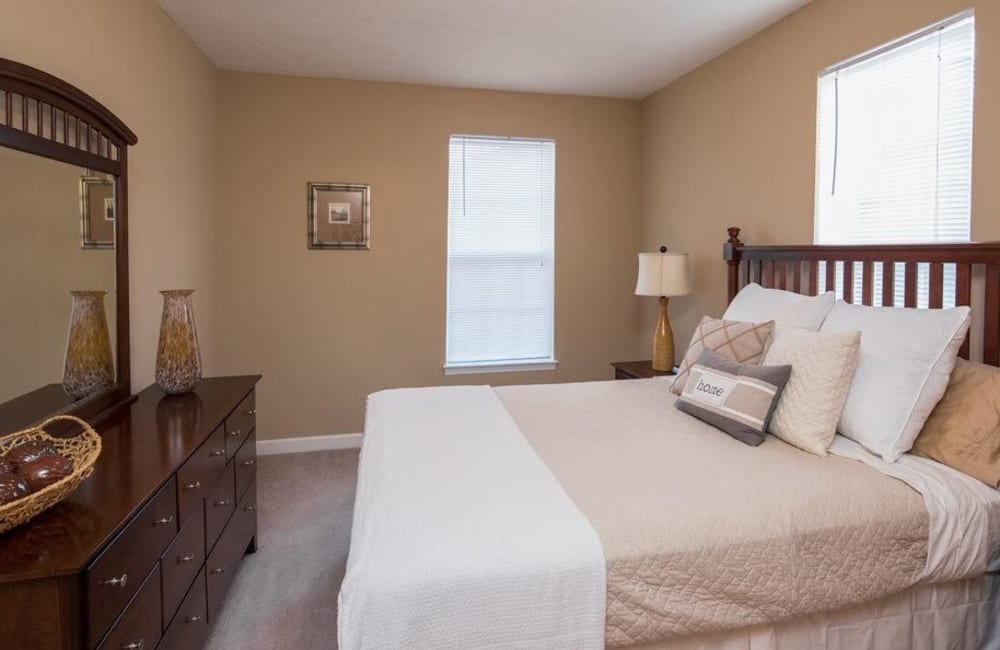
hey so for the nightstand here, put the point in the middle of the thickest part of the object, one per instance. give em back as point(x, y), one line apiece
point(638, 370)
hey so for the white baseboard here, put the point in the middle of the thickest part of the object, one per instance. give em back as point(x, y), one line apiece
point(308, 443)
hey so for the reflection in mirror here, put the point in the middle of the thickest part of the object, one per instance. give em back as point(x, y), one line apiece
point(57, 267)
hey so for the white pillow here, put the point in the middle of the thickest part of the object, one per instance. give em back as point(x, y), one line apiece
point(755, 304)
point(907, 356)
point(823, 366)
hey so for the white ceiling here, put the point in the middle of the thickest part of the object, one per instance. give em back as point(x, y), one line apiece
point(609, 48)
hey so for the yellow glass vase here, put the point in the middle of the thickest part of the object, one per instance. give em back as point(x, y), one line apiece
point(89, 367)
point(178, 360)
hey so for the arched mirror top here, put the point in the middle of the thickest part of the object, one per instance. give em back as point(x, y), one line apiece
point(44, 115)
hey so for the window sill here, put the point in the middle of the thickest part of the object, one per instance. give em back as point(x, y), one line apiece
point(500, 366)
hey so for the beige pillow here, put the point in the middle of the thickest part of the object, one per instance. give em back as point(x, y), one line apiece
point(963, 431)
point(823, 366)
point(735, 340)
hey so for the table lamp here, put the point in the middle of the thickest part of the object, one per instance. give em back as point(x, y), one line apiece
point(664, 275)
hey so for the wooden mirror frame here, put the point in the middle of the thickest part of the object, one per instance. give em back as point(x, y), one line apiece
point(43, 115)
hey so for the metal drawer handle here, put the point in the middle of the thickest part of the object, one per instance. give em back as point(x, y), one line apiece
point(252, 413)
point(183, 559)
point(249, 463)
point(116, 582)
point(250, 508)
point(192, 486)
point(235, 432)
point(135, 645)
point(192, 619)
point(218, 570)
point(221, 502)
point(163, 521)
point(217, 452)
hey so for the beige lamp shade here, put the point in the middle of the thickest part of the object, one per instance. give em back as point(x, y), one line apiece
point(663, 274)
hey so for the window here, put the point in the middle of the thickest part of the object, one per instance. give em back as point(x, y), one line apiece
point(894, 144)
point(501, 254)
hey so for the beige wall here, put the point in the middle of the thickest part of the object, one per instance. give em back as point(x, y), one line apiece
point(328, 327)
point(223, 211)
point(131, 57)
point(41, 261)
point(733, 143)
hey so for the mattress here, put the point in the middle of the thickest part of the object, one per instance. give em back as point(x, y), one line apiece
point(596, 514)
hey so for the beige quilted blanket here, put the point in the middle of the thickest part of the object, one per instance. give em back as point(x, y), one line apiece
point(703, 533)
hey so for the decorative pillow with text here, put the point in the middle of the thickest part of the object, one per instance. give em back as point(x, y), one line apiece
point(736, 398)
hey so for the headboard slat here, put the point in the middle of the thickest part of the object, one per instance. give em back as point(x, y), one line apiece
point(866, 282)
point(848, 273)
point(963, 297)
point(888, 284)
point(910, 285)
point(935, 297)
point(767, 275)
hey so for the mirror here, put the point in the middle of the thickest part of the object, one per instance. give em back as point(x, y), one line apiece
point(64, 327)
point(57, 267)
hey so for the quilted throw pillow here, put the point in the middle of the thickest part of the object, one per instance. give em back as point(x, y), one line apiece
point(734, 340)
point(736, 398)
point(823, 366)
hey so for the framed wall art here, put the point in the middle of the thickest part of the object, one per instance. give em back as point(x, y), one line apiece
point(97, 212)
point(339, 216)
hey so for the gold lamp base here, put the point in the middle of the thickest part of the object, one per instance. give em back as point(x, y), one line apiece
point(663, 341)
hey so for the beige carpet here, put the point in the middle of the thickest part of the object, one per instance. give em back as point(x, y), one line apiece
point(285, 595)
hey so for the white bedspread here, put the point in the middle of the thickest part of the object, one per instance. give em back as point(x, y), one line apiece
point(964, 536)
point(521, 568)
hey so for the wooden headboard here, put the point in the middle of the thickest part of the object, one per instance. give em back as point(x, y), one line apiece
point(811, 269)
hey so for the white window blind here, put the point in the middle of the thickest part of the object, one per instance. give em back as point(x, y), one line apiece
point(501, 253)
point(894, 144)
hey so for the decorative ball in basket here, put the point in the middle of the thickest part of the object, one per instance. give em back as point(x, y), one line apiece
point(38, 470)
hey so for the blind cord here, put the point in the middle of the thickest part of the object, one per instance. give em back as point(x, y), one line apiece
point(937, 148)
point(836, 131)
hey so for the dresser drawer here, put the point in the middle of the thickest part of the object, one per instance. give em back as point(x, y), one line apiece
point(225, 557)
point(246, 513)
point(189, 629)
point(246, 464)
point(239, 424)
point(117, 572)
point(199, 472)
point(180, 563)
point(220, 501)
point(139, 626)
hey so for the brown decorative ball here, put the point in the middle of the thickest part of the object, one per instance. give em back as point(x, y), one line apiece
point(5, 467)
point(28, 451)
point(45, 470)
point(12, 488)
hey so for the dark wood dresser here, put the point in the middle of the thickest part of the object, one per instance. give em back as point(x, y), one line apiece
point(142, 554)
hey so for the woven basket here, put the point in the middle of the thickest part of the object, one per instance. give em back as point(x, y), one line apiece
point(82, 450)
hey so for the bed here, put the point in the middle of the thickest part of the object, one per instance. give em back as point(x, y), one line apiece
point(597, 515)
